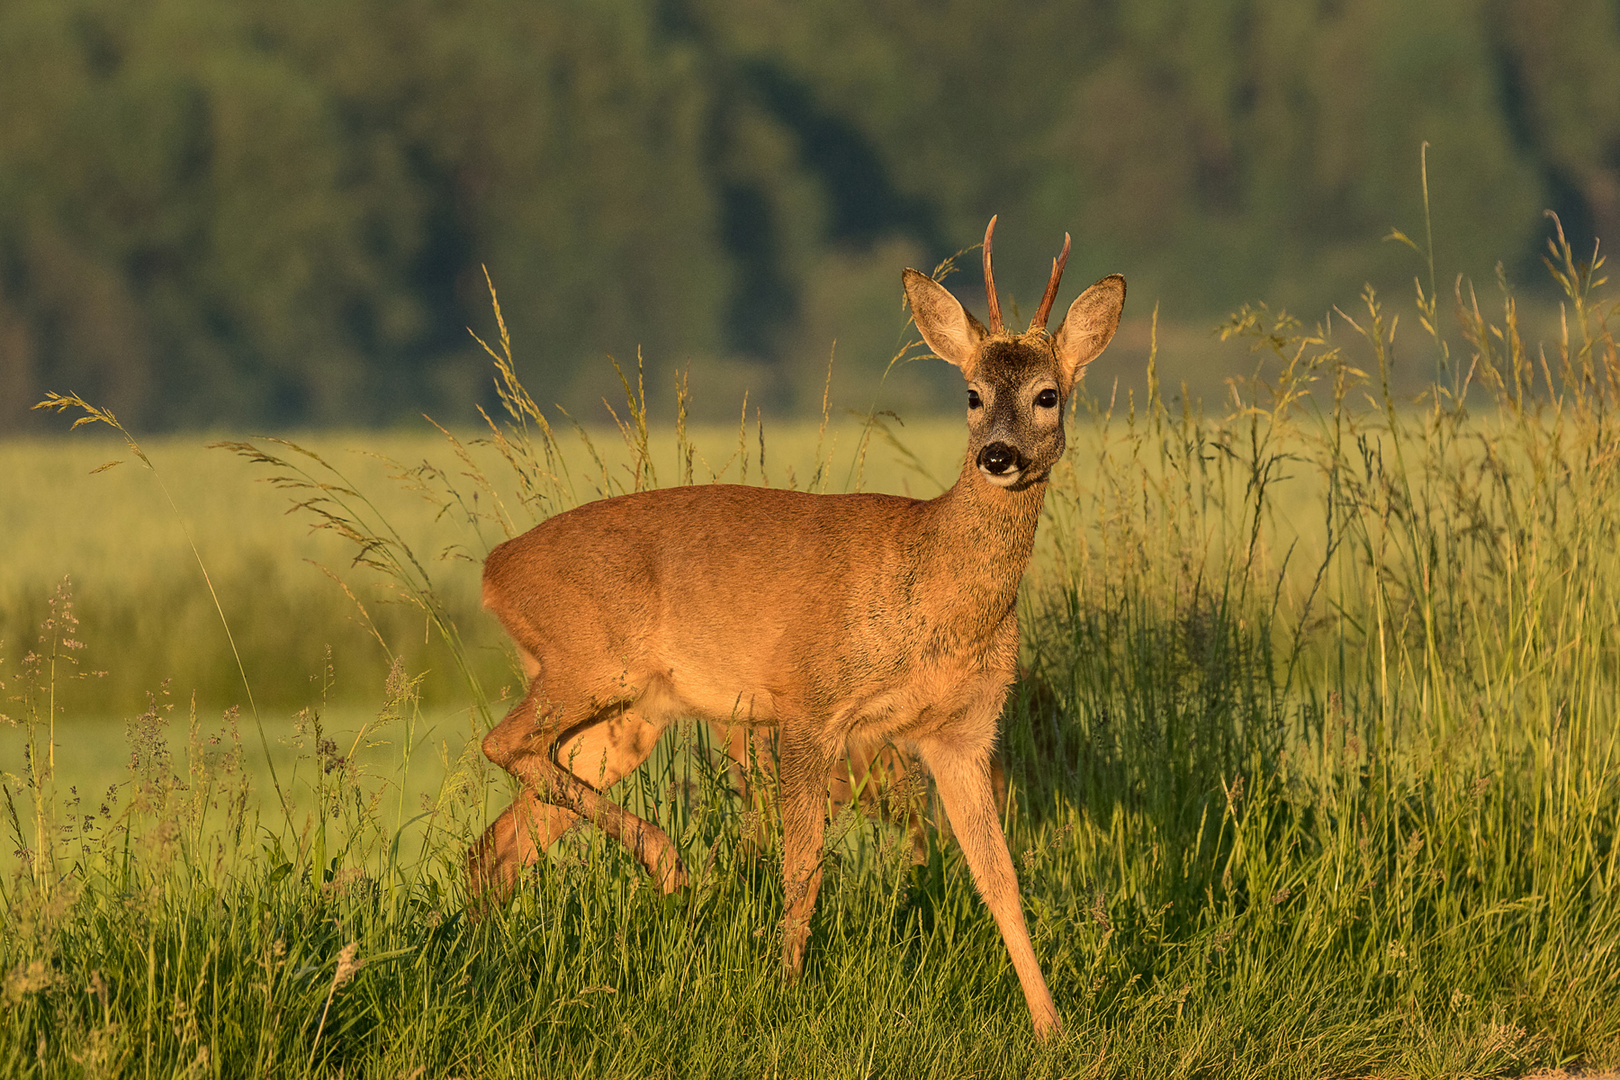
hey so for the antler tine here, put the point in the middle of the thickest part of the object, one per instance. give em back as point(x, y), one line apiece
point(990, 281)
point(1039, 321)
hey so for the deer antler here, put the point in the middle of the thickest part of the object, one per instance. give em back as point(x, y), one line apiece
point(990, 281)
point(1039, 321)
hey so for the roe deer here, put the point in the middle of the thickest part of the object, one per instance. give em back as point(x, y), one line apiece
point(827, 617)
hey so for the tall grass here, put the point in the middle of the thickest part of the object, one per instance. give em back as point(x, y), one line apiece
point(1313, 773)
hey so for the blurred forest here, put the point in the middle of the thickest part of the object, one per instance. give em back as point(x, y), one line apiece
point(230, 212)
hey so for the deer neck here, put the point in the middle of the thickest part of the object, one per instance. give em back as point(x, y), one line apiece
point(978, 544)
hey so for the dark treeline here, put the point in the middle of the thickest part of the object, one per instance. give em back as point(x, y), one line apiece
point(244, 211)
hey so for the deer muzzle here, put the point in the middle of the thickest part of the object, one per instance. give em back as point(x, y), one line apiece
point(1001, 463)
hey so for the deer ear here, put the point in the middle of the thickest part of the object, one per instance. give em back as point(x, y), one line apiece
point(1089, 327)
point(944, 323)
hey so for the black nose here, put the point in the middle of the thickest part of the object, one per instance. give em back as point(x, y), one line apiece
point(997, 458)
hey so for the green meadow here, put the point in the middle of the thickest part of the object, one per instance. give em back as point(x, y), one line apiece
point(1313, 762)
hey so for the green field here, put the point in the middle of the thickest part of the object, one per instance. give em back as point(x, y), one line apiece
point(1313, 764)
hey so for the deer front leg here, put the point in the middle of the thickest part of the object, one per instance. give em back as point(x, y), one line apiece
point(805, 766)
point(963, 777)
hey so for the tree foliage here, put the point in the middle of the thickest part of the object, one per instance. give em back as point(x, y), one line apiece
point(232, 211)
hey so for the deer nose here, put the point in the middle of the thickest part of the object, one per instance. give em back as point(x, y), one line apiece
point(997, 458)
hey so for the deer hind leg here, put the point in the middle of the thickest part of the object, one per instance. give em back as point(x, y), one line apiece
point(513, 842)
point(562, 785)
point(963, 776)
point(805, 767)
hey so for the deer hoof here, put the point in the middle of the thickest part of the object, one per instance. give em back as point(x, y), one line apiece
point(795, 936)
point(1047, 1025)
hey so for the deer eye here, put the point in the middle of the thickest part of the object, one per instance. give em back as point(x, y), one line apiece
point(973, 400)
point(1047, 398)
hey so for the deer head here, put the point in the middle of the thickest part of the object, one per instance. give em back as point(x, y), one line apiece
point(1018, 383)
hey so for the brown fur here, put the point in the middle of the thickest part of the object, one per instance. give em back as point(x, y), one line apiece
point(837, 620)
